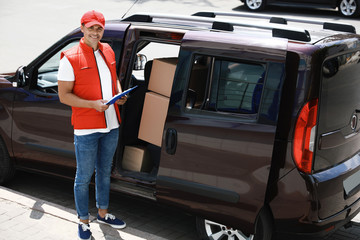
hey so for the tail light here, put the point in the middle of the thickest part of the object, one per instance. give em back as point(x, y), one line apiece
point(304, 137)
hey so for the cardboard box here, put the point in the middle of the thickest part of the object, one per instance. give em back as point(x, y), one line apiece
point(162, 75)
point(153, 118)
point(136, 158)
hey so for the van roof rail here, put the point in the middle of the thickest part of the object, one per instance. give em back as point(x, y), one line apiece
point(278, 20)
point(282, 31)
point(222, 26)
point(138, 18)
point(205, 14)
point(326, 25)
point(339, 27)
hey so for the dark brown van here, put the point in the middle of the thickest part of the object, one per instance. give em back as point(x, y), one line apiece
point(251, 127)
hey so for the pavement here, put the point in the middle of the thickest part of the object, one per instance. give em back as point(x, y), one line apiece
point(26, 217)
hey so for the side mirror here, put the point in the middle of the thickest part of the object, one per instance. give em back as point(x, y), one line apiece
point(20, 77)
point(140, 61)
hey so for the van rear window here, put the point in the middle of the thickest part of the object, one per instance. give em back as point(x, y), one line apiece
point(340, 94)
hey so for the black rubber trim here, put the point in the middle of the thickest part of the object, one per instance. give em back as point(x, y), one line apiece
point(205, 14)
point(223, 26)
point(339, 27)
point(138, 18)
point(278, 20)
point(198, 189)
point(51, 150)
point(292, 35)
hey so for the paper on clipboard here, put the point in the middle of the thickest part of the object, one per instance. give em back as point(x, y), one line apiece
point(118, 96)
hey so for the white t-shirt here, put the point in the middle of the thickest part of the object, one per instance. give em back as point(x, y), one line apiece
point(66, 73)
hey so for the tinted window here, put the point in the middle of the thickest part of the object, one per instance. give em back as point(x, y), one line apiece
point(53, 63)
point(237, 87)
point(270, 99)
point(47, 73)
point(340, 91)
point(225, 86)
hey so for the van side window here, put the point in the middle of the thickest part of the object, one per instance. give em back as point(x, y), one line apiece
point(198, 82)
point(47, 72)
point(225, 86)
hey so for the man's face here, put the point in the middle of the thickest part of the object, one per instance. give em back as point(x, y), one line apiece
point(92, 35)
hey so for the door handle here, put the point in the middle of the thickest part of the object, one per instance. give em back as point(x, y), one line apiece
point(171, 141)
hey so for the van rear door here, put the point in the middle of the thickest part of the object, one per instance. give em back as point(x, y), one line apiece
point(220, 128)
point(337, 159)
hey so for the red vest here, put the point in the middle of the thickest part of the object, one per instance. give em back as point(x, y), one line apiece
point(87, 83)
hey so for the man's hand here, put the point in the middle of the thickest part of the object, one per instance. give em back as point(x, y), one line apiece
point(121, 101)
point(100, 105)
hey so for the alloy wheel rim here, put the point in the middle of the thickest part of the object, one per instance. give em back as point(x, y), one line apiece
point(217, 231)
point(348, 7)
point(254, 4)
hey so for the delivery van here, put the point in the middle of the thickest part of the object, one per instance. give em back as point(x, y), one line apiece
point(251, 126)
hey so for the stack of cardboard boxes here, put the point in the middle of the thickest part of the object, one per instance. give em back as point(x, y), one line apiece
point(154, 114)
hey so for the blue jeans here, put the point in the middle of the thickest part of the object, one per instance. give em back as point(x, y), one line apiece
point(94, 152)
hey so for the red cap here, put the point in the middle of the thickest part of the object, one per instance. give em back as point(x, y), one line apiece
point(92, 18)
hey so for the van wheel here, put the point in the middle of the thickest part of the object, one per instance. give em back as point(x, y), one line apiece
point(209, 230)
point(255, 5)
point(349, 8)
point(7, 168)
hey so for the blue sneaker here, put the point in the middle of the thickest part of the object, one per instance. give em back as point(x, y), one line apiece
point(84, 231)
point(111, 220)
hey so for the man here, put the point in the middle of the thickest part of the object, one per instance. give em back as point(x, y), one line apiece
point(86, 79)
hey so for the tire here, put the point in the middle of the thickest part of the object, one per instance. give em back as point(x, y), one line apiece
point(264, 225)
point(209, 230)
point(7, 168)
point(255, 5)
point(349, 8)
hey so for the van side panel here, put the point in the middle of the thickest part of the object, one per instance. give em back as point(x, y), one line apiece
point(222, 160)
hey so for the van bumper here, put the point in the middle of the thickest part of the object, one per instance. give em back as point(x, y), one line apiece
point(322, 227)
point(319, 193)
point(310, 206)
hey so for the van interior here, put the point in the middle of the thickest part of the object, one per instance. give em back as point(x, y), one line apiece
point(138, 157)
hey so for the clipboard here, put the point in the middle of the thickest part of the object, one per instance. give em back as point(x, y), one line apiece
point(119, 95)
